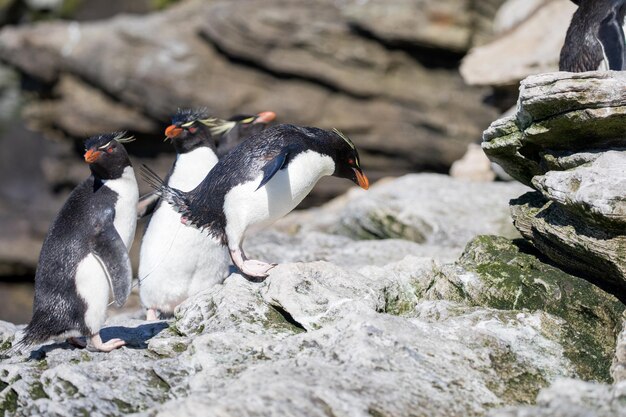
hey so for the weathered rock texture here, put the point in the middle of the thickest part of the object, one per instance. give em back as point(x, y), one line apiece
point(362, 327)
point(573, 398)
point(567, 141)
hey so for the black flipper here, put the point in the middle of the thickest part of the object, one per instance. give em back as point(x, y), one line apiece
point(611, 36)
point(113, 255)
point(147, 204)
point(276, 164)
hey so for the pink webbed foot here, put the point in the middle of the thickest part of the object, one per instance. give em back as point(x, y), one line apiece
point(98, 345)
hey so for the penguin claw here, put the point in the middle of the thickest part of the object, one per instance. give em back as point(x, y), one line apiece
point(98, 346)
point(256, 269)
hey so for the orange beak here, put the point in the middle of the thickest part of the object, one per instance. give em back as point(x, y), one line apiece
point(172, 131)
point(362, 179)
point(265, 117)
point(92, 156)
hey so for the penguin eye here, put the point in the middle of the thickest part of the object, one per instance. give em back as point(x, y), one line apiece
point(192, 129)
point(248, 120)
point(110, 150)
point(104, 146)
point(350, 161)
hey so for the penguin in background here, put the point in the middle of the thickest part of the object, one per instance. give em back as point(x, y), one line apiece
point(260, 181)
point(86, 251)
point(243, 126)
point(177, 262)
point(595, 38)
point(226, 133)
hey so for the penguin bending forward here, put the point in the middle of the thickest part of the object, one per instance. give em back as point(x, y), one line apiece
point(595, 38)
point(177, 262)
point(86, 251)
point(260, 181)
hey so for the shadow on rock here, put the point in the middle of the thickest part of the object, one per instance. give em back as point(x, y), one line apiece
point(135, 337)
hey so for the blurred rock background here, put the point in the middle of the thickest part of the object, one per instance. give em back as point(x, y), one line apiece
point(385, 72)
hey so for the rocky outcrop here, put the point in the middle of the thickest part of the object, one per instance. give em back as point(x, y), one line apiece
point(384, 327)
point(567, 141)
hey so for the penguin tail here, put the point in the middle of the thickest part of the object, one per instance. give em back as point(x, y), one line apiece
point(28, 339)
point(174, 197)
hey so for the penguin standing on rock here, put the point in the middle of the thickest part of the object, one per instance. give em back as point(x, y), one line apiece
point(86, 251)
point(177, 262)
point(260, 181)
point(595, 38)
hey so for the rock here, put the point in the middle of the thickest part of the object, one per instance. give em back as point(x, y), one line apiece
point(618, 366)
point(573, 242)
point(474, 166)
point(573, 398)
point(209, 71)
point(429, 209)
point(514, 12)
point(565, 141)
point(445, 25)
point(337, 338)
point(537, 42)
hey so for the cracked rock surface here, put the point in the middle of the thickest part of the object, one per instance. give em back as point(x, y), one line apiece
point(346, 331)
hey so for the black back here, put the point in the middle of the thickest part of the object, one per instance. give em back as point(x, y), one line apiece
point(597, 24)
point(246, 162)
point(58, 308)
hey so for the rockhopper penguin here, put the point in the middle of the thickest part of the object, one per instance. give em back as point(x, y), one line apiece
point(595, 38)
point(177, 262)
point(86, 251)
point(243, 126)
point(260, 181)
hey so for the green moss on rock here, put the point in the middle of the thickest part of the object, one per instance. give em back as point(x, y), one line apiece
point(514, 280)
point(8, 402)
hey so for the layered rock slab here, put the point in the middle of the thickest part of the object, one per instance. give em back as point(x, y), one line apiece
point(567, 141)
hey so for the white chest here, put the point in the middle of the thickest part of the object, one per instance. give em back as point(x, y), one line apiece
point(191, 168)
point(126, 205)
point(244, 205)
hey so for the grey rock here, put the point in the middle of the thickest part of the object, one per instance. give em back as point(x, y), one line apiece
point(372, 339)
point(565, 141)
point(537, 42)
point(430, 209)
point(595, 190)
point(572, 241)
point(573, 398)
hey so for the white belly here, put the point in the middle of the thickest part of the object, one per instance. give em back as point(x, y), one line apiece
point(93, 287)
point(126, 206)
point(178, 261)
point(245, 207)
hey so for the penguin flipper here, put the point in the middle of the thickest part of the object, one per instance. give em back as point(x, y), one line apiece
point(274, 165)
point(147, 204)
point(611, 37)
point(111, 252)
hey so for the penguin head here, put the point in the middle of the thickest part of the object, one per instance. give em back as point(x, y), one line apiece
point(106, 156)
point(247, 125)
point(346, 158)
point(192, 128)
